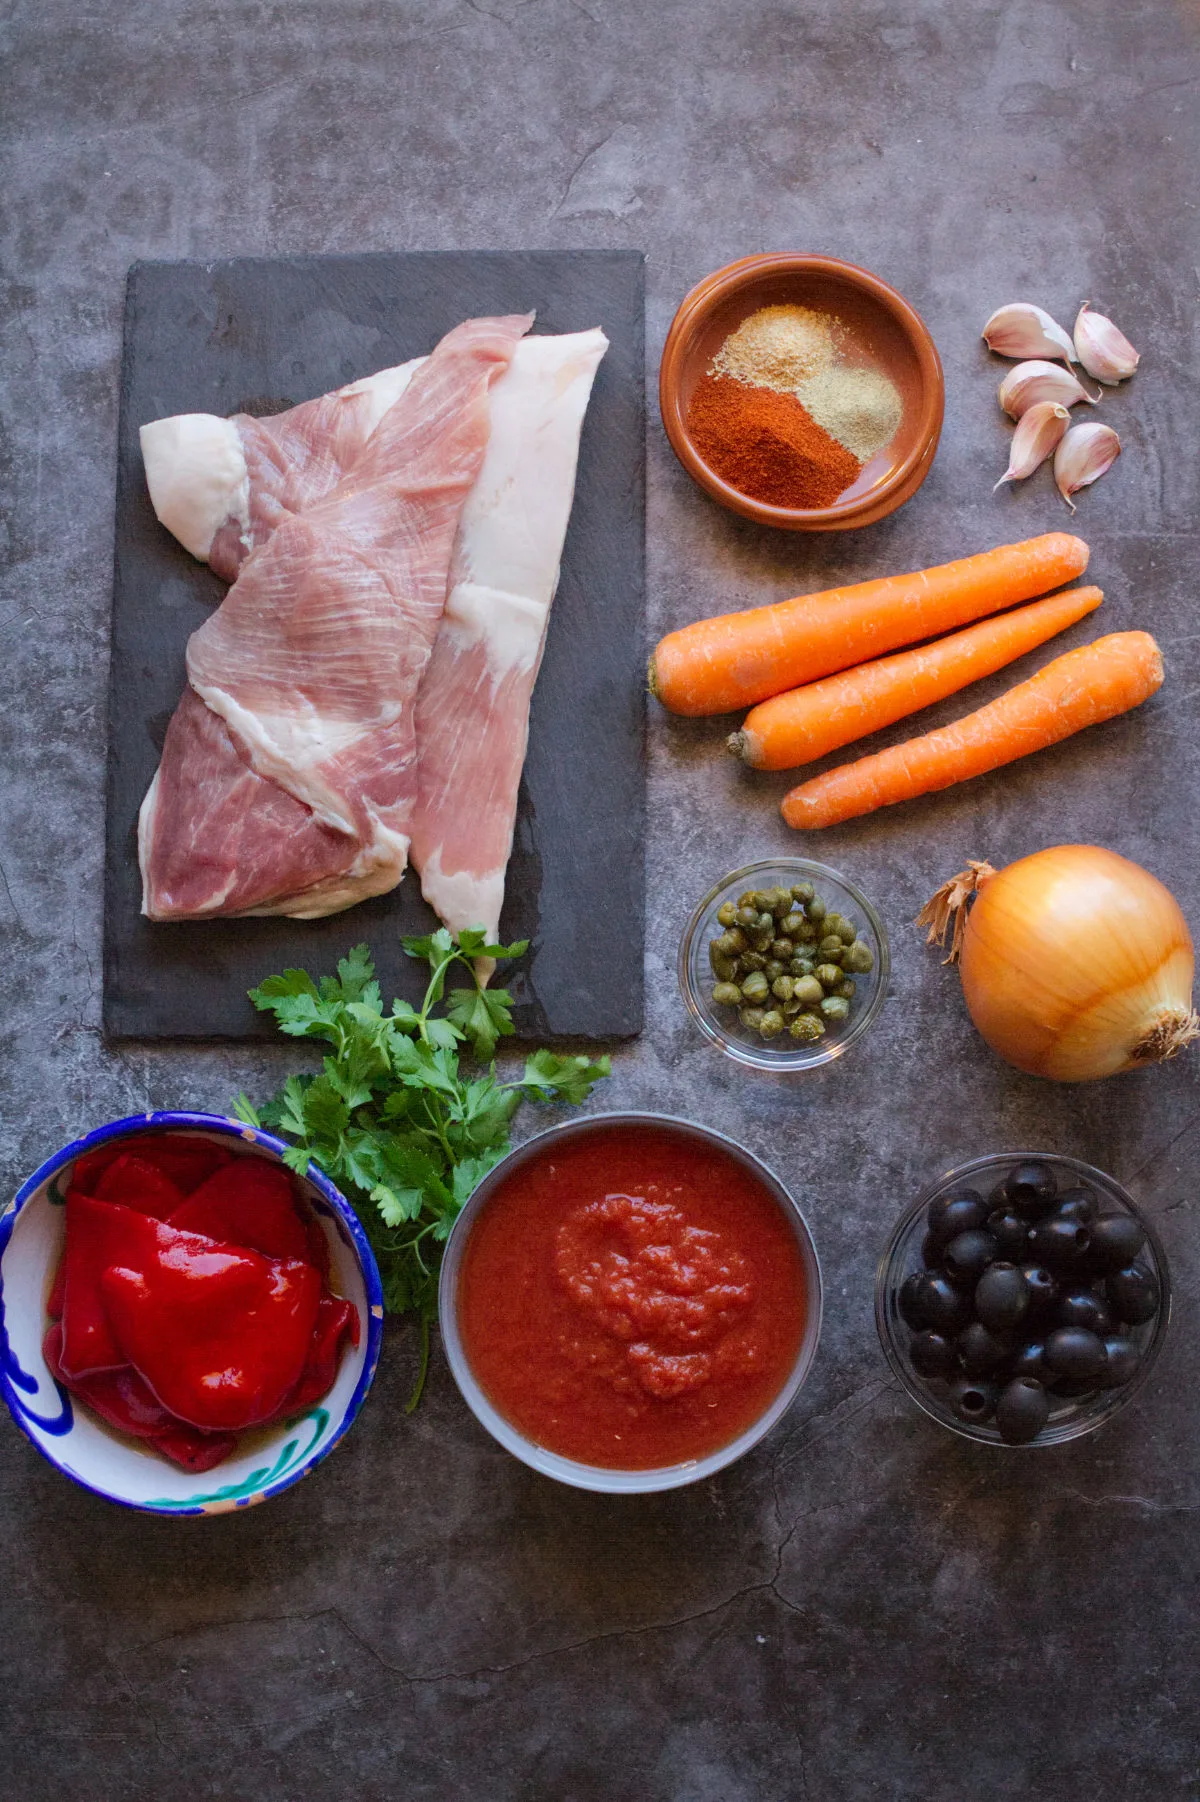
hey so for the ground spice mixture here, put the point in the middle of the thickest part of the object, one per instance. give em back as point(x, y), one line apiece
point(777, 347)
point(861, 408)
point(764, 444)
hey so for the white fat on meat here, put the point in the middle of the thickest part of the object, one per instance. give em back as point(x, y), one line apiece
point(473, 704)
point(196, 474)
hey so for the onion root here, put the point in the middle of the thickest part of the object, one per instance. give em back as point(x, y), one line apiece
point(1170, 1034)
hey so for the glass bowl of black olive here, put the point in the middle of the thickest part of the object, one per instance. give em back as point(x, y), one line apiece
point(784, 964)
point(1023, 1299)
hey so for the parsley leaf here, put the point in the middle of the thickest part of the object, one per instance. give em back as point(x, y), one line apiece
point(390, 1117)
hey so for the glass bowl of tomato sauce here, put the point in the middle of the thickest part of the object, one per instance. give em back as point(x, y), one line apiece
point(629, 1302)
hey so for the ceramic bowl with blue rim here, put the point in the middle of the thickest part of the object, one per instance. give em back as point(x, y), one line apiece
point(64, 1429)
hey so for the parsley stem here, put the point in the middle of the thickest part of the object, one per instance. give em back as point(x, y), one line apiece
point(419, 1385)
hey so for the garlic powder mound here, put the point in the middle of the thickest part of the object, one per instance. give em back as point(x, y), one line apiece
point(861, 408)
point(777, 347)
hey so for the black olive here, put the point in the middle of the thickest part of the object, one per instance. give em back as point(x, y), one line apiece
point(1080, 1307)
point(1043, 1293)
point(1116, 1241)
point(956, 1213)
point(1022, 1410)
point(980, 1350)
point(1001, 1298)
point(1132, 1294)
point(1010, 1233)
point(1059, 1243)
point(1076, 1204)
point(973, 1399)
point(943, 1307)
point(1071, 1351)
point(998, 1201)
point(931, 1251)
point(910, 1300)
point(1031, 1190)
point(932, 1355)
point(968, 1255)
point(1123, 1360)
point(1029, 1361)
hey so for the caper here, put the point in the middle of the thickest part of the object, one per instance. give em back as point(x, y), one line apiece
point(828, 975)
point(747, 917)
point(720, 960)
point(845, 989)
point(833, 923)
point(802, 891)
point(751, 1018)
point(815, 909)
point(791, 923)
point(807, 1029)
point(781, 903)
point(847, 931)
point(808, 990)
point(858, 957)
point(749, 899)
point(800, 965)
point(755, 987)
point(731, 942)
point(782, 948)
point(762, 899)
point(727, 913)
point(771, 1024)
point(831, 949)
point(765, 922)
point(773, 968)
point(792, 1008)
point(727, 994)
point(805, 933)
point(725, 969)
point(835, 1007)
point(752, 960)
point(781, 988)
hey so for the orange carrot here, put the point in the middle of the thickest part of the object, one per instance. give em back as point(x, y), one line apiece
point(739, 658)
point(1094, 683)
point(807, 722)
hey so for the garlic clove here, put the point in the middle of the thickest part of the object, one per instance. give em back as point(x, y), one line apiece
point(1037, 433)
point(1029, 383)
point(1023, 330)
point(1104, 352)
point(1082, 457)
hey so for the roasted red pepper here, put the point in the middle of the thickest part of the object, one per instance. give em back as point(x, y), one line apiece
point(99, 1235)
point(127, 1402)
point(183, 1159)
point(136, 1183)
point(337, 1325)
point(247, 1203)
point(221, 1336)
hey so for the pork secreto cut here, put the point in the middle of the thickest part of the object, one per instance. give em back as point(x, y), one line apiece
point(364, 687)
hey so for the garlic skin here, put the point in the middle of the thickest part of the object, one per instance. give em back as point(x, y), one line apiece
point(1082, 457)
point(1022, 330)
point(1029, 383)
point(1104, 352)
point(1037, 433)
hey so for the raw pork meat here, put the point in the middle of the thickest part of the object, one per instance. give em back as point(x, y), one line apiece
point(473, 703)
point(223, 485)
point(311, 665)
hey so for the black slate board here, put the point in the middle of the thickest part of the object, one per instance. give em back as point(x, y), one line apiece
point(257, 334)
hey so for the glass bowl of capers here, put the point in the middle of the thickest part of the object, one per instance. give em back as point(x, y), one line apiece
point(784, 964)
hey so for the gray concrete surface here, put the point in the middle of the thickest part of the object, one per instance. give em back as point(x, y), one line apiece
point(864, 1608)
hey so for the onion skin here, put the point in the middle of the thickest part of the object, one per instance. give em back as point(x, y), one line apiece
point(1077, 964)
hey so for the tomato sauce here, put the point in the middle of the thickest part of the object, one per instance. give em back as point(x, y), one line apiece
point(632, 1299)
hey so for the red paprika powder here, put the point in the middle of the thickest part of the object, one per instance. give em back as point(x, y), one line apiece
point(764, 444)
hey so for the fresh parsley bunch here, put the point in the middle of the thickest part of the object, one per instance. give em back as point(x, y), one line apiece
point(391, 1119)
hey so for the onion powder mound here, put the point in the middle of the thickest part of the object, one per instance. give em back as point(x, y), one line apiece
point(861, 408)
point(777, 347)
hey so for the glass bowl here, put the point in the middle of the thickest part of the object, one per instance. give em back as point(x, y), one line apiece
point(1069, 1418)
point(603, 1479)
point(721, 1024)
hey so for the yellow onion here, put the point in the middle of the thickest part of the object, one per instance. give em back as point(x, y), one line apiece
point(1075, 963)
